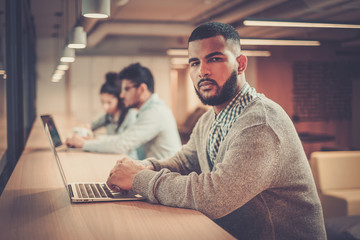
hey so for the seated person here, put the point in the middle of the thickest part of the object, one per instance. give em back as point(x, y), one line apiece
point(154, 131)
point(116, 119)
point(244, 165)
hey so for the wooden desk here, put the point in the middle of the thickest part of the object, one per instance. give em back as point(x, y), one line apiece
point(35, 204)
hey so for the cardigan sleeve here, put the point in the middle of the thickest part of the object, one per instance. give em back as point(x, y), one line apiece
point(247, 168)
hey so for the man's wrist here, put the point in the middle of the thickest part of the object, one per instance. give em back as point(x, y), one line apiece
point(142, 181)
point(150, 167)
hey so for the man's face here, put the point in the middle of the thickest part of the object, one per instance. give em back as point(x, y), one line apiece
point(129, 93)
point(213, 70)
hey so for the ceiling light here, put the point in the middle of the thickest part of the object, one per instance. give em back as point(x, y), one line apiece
point(62, 66)
point(60, 72)
point(177, 52)
point(256, 53)
point(56, 77)
point(77, 38)
point(95, 8)
point(278, 42)
point(2, 71)
point(179, 61)
point(278, 23)
point(68, 55)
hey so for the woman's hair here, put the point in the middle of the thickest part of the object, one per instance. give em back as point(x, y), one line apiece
point(110, 87)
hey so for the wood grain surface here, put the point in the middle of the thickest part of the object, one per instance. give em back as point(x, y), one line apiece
point(35, 204)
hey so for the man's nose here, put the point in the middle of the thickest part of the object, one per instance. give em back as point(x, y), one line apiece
point(204, 70)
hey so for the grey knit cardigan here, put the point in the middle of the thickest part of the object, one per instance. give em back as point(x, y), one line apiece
point(261, 186)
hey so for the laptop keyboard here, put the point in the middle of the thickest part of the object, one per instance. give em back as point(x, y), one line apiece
point(90, 190)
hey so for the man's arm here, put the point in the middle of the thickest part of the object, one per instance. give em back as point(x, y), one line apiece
point(75, 141)
point(248, 167)
point(147, 126)
point(122, 175)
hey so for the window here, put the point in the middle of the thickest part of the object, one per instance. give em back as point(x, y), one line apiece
point(3, 125)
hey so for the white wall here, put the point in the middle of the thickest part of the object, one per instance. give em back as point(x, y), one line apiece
point(50, 96)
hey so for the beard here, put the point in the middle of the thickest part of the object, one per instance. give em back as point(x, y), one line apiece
point(227, 92)
point(134, 105)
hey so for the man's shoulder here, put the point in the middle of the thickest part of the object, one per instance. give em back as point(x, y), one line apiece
point(154, 103)
point(157, 109)
point(262, 110)
point(258, 109)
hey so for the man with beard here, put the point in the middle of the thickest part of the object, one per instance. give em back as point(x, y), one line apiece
point(244, 165)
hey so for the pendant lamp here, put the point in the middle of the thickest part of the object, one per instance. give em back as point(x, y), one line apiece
point(95, 8)
point(68, 55)
point(62, 66)
point(77, 38)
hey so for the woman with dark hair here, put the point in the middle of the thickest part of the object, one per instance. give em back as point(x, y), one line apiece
point(116, 112)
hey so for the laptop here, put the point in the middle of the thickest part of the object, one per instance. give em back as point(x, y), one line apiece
point(89, 192)
point(55, 136)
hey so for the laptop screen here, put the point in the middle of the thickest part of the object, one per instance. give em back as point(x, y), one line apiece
point(47, 132)
point(47, 119)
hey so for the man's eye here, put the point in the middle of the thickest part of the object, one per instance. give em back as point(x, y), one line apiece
point(214, 59)
point(193, 64)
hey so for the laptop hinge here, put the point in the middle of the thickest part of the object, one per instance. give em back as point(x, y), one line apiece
point(70, 191)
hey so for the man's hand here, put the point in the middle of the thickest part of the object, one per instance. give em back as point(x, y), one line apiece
point(122, 175)
point(75, 141)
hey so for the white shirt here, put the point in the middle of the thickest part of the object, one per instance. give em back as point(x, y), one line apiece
point(154, 130)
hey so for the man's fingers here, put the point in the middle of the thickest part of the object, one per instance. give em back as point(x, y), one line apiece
point(122, 159)
point(150, 167)
point(115, 188)
point(112, 186)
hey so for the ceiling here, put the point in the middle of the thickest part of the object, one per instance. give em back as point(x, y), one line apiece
point(150, 26)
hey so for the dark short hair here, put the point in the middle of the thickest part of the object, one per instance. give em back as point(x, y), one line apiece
point(138, 74)
point(212, 29)
point(109, 86)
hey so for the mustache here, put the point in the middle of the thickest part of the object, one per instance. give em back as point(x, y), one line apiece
point(208, 80)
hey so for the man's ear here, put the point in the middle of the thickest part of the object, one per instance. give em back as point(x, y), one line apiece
point(142, 87)
point(242, 61)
